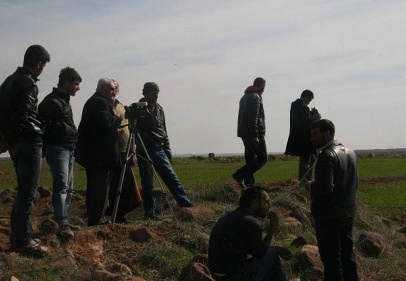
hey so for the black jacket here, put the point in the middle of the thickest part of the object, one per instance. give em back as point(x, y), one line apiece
point(251, 116)
point(97, 144)
point(19, 117)
point(333, 193)
point(152, 128)
point(56, 111)
point(301, 121)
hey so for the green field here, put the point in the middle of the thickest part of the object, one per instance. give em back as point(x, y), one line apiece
point(382, 188)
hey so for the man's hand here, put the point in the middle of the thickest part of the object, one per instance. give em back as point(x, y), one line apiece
point(255, 141)
point(273, 221)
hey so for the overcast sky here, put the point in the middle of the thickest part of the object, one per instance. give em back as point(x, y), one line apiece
point(203, 54)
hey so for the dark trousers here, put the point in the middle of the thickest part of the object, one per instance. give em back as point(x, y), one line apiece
point(255, 158)
point(98, 181)
point(334, 238)
point(306, 162)
point(26, 156)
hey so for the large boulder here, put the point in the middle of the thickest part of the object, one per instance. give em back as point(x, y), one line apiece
point(371, 244)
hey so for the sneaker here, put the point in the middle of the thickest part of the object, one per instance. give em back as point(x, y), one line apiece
point(239, 181)
point(65, 232)
point(33, 249)
point(74, 227)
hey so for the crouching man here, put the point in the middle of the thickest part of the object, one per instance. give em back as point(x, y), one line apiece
point(236, 248)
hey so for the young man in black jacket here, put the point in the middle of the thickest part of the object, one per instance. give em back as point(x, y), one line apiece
point(60, 136)
point(251, 129)
point(151, 126)
point(333, 202)
point(22, 129)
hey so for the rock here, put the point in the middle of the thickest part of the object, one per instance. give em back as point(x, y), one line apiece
point(371, 244)
point(140, 235)
point(201, 258)
point(195, 213)
point(303, 215)
point(43, 192)
point(298, 242)
point(195, 272)
point(309, 259)
point(49, 226)
point(290, 222)
point(13, 278)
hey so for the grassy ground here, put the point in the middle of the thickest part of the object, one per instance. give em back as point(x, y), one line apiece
point(382, 190)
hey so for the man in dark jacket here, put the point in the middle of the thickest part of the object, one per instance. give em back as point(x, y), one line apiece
point(22, 129)
point(151, 126)
point(333, 202)
point(97, 148)
point(251, 129)
point(301, 120)
point(60, 137)
point(236, 248)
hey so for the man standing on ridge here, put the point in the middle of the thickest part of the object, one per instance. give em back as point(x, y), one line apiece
point(301, 120)
point(251, 129)
point(151, 126)
point(22, 128)
point(60, 136)
point(333, 203)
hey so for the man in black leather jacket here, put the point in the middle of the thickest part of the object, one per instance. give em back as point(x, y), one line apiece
point(60, 135)
point(333, 202)
point(22, 128)
point(151, 126)
point(251, 129)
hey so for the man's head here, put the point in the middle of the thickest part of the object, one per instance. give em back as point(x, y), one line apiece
point(69, 81)
point(260, 83)
point(106, 88)
point(322, 132)
point(35, 59)
point(116, 87)
point(150, 92)
point(256, 201)
point(307, 96)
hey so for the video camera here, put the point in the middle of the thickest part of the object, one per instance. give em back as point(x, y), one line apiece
point(131, 110)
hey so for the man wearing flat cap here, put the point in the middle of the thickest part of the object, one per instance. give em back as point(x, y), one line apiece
point(152, 129)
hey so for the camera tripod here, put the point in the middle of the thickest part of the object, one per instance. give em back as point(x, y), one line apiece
point(129, 154)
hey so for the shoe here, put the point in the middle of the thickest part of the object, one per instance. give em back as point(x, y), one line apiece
point(239, 181)
point(65, 232)
point(152, 217)
point(74, 227)
point(33, 249)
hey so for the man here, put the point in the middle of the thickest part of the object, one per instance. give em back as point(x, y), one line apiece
point(333, 200)
point(251, 129)
point(151, 126)
point(60, 135)
point(301, 119)
point(97, 148)
point(22, 129)
point(130, 197)
point(236, 248)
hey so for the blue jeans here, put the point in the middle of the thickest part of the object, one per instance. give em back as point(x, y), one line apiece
point(164, 169)
point(256, 157)
point(26, 155)
point(60, 161)
point(267, 268)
